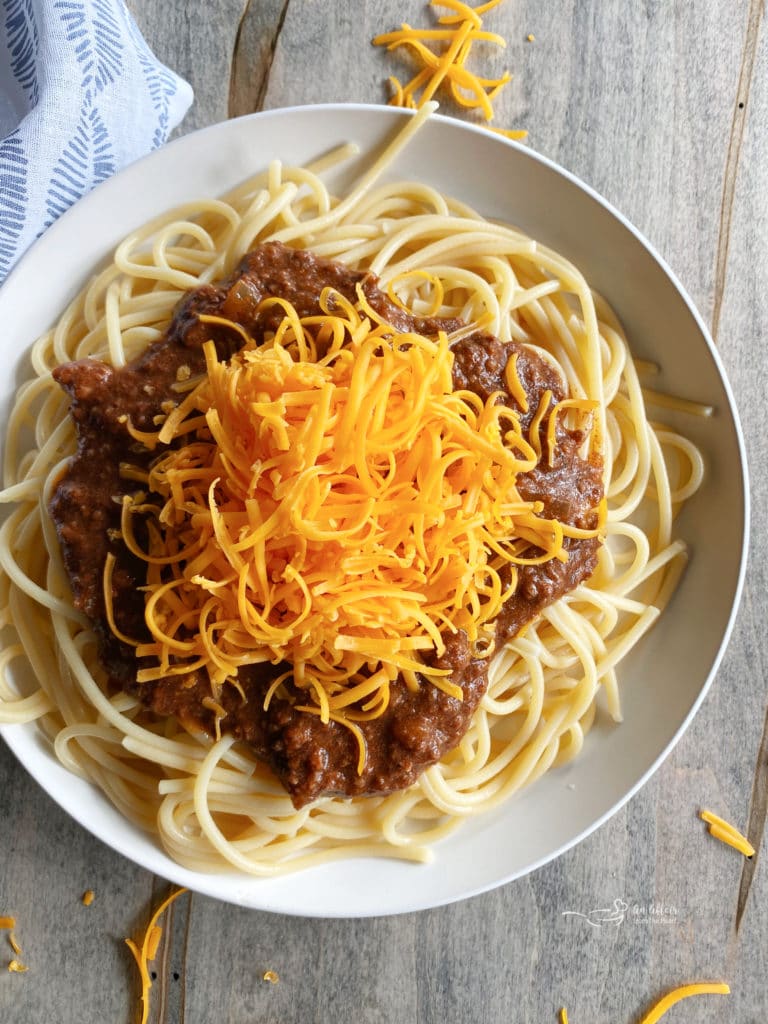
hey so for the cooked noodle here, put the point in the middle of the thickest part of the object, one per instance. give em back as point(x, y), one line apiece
point(213, 804)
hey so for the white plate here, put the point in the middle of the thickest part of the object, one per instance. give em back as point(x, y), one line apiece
point(665, 679)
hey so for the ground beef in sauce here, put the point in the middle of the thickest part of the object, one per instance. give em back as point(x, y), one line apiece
point(310, 759)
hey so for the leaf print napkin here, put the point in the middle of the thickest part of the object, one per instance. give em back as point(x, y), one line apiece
point(81, 96)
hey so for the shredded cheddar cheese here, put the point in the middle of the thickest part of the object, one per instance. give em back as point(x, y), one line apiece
point(458, 31)
point(514, 384)
point(147, 952)
point(668, 1001)
point(272, 977)
point(88, 897)
point(8, 924)
point(154, 936)
point(330, 501)
point(683, 992)
point(726, 833)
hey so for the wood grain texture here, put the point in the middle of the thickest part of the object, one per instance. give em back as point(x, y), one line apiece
point(643, 101)
point(253, 55)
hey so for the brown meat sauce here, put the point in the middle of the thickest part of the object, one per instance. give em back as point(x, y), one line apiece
point(310, 759)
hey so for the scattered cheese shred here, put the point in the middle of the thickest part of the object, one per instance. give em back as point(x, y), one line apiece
point(668, 1001)
point(14, 967)
point(148, 950)
point(153, 943)
point(8, 923)
point(458, 32)
point(88, 897)
point(510, 133)
point(683, 992)
point(285, 525)
point(720, 829)
point(272, 977)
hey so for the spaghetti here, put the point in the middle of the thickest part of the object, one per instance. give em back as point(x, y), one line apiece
point(210, 801)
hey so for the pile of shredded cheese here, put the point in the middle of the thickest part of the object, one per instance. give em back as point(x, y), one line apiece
point(446, 67)
point(331, 502)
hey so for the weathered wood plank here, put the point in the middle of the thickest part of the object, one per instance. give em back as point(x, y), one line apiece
point(75, 954)
point(741, 720)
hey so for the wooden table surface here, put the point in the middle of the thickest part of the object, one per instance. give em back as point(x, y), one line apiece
point(663, 108)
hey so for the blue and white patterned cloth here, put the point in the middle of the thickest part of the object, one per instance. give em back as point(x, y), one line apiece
point(81, 96)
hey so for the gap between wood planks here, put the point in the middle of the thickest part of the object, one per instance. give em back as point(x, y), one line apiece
point(243, 97)
point(746, 73)
point(758, 802)
point(758, 808)
point(167, 998)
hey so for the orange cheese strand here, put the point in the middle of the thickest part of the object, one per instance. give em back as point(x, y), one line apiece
point(148, 950)
point(511, 133)
point(339, 514)
point(726, 833)
point(463, 11)
point(446, 61)
point(7, 923)
point(405, 33)
point(109, 567)
point(514, 385)
point(668, 1001)
point(683, 992)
